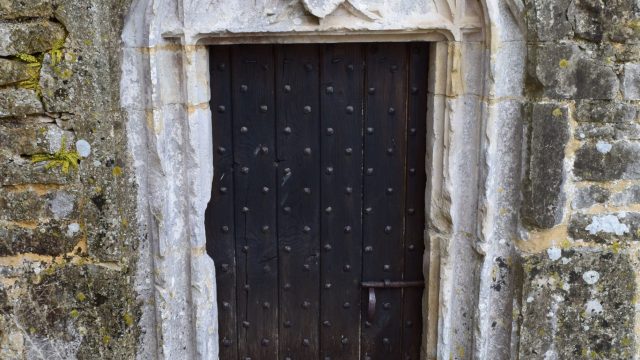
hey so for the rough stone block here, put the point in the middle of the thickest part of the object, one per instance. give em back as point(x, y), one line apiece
point(543, 201)
point(29, 37)
point(586, 16)
point(628, 196)
point(631, 81)
point(12, 71)
point(46, 238)
point(19, 102)
point(590, 195)
point(603, 161)
point(605, 228)
point(604, 111)
point(18, 170)
point(608, 131)
point(28, 139)
point(33, 206)
point(59, 84)
point(595, 80)
point(548, 20)
point(578, 304)
point(14, 9)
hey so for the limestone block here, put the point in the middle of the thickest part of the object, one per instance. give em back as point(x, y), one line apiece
point(13, 71)
point(28, 139)
point(588, 196)
point(543, 201)
point(46, 238)
point(578, 304)
point(19, 102)
point(604, 161)
point(29, 37)
point(605, 228)
point(604, 111)
point(547, 20)
point(628, 196)
point(13, 9)
point(631, 81)
point(31, 205)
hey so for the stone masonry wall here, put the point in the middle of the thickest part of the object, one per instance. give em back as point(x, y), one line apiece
point(581, 199)
point(67, 199)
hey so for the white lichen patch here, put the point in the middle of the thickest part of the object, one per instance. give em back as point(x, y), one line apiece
point(607, 223)
point(72, 229)
point(61, 205)
point(554, 253)
point(591, 277)
point(593, 307)
point(603, 147)
point(83, 148)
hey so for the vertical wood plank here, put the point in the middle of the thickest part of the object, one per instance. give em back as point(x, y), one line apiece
point(384, 198)
point(341, 181)
point(415, 201)
point(298, 122)
point(256, 240)
point(219, 221)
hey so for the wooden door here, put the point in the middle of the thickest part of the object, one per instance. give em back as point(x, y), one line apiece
point(317, 215)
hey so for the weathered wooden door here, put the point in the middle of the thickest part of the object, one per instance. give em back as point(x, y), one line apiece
point(317, 212)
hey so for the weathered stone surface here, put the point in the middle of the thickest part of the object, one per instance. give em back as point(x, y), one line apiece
point(29, 139)
point(631, 81)
point(605, 111)
point(548, 20)
point(29, 37)
point(19, 102)
point(13, 71)
point(608, 131)
point(590, 195)
point(595, 80)
point(14, 9)
point(32, 206)
point(52, 237)
point(587, 22)
point(82, 311)
point(59, 83)
point(605, 228)
point(604, 161)
point(579, 305)
point(18, 170)
point(543, 201)
point(628, 196)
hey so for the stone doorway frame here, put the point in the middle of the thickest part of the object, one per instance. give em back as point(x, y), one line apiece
point(474, 148)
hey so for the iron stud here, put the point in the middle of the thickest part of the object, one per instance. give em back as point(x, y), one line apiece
point(369, 130)
point(306, 267)
point(386, 306)
point(326, 323)
point(327, 286)
point(265, 189)
point(348, 190)
point(348, 151)
point(329, 131)
point(391, 111)
point(387, 229)
point(287, 130)
point(390, 151)
point(286, 209)
point(350, 67)
point(265, 229)
point(329, 90)
point(287, 248)
point(221, 108)
point(367, 324)
point(244, 170)
point(327, 247)
point(347, 229)
point(411, 211)
point(414, 90)
point(394, 67)
point(308, 67)
point(409, 323)
point(247, 287)
point(287, 170)
point(387, 267)
point(389, 190)
point(245, 324)
point(245, 209)
point(221, 150)
point(287, 88)
point(346, 268)
point(386, 341)
point(412, 131)
point(306, 342)
point(328, 209)
point(307, 151)
point(412, 247)
point(245, 248)
point(306, 229)
point(266, 305)
point(287, 324)
point(287, 286)
point(264, 108)
point(369, 171)
point(265, 342)
point(349, 109)
point(371, 90)
point(306, 304)
point(264, 150)
point(244, 88)
point(222, 66)
point(344, 341)
point(266, 268)
point(307, 109)
point(225, 229)
point(226, 305)
point(346, 305)
point(412, 171)
point(307, 190)
point(329, 170)
point(368, 210)
point(225, 267)
point(244, 129)
point(223, 190)
point(368, 249)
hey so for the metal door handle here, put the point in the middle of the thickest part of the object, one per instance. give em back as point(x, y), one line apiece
point(372, 285)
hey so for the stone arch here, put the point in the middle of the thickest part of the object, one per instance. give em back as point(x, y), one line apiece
point(474, 148)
